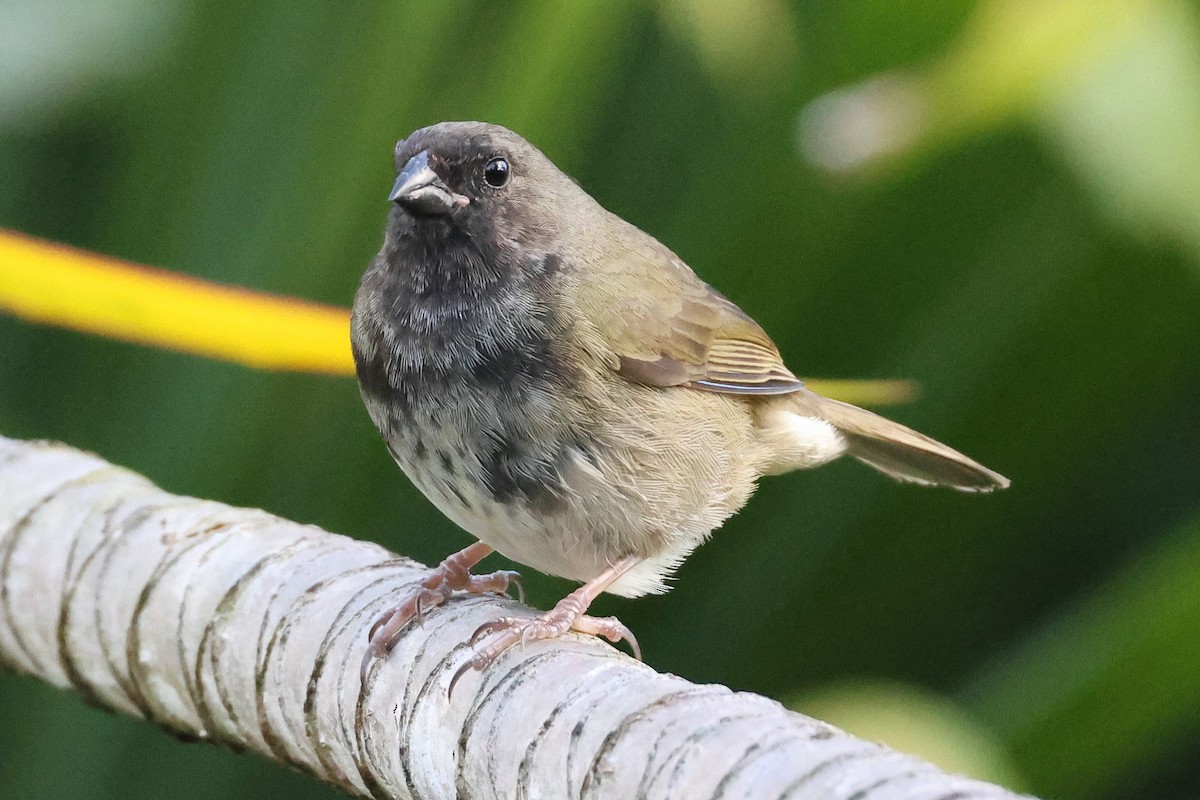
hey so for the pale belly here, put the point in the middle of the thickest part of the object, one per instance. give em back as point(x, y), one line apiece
point(632, 491)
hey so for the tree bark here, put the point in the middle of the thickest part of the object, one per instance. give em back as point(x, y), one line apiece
point(240, 628)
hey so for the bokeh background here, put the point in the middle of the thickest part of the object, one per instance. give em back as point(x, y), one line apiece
point(997, 199)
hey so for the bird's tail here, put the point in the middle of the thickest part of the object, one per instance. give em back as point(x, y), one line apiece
point(899, 451)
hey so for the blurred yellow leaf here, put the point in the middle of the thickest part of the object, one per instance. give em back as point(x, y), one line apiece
point(866, 393)
point(58, 285)
point(55, 284)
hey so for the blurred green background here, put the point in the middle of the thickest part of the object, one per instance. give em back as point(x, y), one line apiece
point(998, 199)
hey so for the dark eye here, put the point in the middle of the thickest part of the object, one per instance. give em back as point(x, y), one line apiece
point(496, 172)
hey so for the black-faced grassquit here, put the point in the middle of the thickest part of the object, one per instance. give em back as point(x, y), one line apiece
point(564, 388)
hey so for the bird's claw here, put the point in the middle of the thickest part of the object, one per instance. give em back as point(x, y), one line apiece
point(513, 630)
point(610, 628)
point(514, 579)
point(434, 590)
point(374, 651)
point(494, 626)
point(386, 630)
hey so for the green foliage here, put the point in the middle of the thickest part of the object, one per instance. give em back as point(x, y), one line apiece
point(251, 143)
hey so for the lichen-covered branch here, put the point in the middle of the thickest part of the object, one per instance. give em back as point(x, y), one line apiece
point(237, 627)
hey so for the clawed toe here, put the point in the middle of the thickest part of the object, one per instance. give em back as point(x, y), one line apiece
point(451, 576)
point(374, 651)
point(503, 623)
point(563, 618)
point(387, 628)
point(471, 663)
point(454, 575)
point(379, 623)
point(514, 579)
point(610, 628)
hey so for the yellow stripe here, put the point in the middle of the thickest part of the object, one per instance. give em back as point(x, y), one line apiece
point(58, 285)
point(866, 393)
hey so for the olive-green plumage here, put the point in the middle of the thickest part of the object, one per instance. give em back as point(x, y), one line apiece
point(565, 388)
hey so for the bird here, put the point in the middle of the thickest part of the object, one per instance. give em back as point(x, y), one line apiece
point(565, 389)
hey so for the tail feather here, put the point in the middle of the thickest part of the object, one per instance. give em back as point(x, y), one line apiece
point(899, 451)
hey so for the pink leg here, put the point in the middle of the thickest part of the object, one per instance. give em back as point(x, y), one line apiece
point(452, 575)
point(568, 615)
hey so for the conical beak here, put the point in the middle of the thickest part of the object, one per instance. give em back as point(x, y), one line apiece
point(420, 191)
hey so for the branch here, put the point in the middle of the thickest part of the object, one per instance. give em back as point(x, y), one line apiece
point(237, 627)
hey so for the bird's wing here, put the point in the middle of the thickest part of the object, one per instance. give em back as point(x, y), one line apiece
point(669, 328)
point(663, 326)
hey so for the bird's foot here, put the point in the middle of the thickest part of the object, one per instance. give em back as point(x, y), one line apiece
point(566, 616)
point(451, 576)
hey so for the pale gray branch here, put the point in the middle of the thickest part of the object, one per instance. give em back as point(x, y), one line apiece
point(241, 628)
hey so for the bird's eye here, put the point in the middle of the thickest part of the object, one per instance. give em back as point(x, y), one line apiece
point(496, 172)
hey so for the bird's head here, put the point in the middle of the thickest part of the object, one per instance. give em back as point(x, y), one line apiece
point(480, 180)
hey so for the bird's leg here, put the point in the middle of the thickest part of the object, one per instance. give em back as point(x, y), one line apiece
point(567, 615)
point(452, 575)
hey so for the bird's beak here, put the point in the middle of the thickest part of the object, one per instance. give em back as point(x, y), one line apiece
point(419, 190)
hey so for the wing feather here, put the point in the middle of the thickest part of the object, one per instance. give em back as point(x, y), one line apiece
point(704, 342)
point(663, 326)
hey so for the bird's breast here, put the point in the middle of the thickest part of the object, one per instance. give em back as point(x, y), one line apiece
point(473, 392)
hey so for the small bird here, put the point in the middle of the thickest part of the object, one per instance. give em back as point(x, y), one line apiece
point(564, 388)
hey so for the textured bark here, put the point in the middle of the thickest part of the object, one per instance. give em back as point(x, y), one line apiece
point(237, 627)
